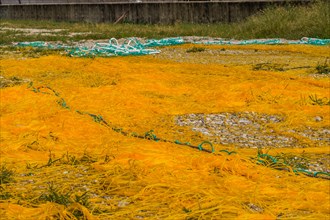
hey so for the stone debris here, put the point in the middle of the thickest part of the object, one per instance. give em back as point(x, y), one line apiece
point(249, 129)
point(243, 129)
point(254, 130)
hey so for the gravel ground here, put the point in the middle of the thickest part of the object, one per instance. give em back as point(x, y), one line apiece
point(254, 130)
point(232, 56)
point(250, 129)
point(244, 129)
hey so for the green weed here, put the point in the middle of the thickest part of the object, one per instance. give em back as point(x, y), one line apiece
point(4, 195)
point(195, 49)
point(296, 162)
point(82, 199)
point(66, 159)
point(323, 68)
point(319, 101)
point(53, 195)
point(268, 67)
point(6, 175)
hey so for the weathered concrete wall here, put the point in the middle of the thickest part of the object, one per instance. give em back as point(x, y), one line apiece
point(152, 13)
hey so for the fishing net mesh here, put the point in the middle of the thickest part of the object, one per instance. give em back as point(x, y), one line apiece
point(68, 164)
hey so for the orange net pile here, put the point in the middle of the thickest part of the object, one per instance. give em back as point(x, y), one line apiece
point(57, 162)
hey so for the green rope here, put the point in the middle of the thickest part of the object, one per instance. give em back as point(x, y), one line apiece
point(261, 157)
point(322, 173)
point(267, 156)
point(200, 146)
point(228, 152)
point(178, 142)
point(62, 103)
point(151, 136)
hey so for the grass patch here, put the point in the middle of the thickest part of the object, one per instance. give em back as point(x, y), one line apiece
point(323, 68)
point(6, 175)
point(33, 52)
point(268, 67)
point(195, 50)
point(291, 22)
point(65, 159)
point(54, 195)
point(4, 195)
point(315, 100)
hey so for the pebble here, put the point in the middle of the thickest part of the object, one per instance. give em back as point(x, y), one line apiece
point(123, 203)
point(318, 118)
point(255, 208)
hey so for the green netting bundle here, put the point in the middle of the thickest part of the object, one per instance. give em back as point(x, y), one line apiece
point(130, 46)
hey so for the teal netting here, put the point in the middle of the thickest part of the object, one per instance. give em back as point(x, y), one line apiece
point(132, 46)
point(164, 42)
point(275, 41)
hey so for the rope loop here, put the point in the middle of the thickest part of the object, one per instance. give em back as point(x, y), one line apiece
point(200, 146)
point(228, 152)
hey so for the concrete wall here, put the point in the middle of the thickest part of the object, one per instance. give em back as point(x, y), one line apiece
point(152, 13)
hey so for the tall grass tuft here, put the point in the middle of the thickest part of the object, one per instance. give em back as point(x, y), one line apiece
point(291, 22)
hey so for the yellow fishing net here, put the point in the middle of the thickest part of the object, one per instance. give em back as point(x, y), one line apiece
point(63, 162)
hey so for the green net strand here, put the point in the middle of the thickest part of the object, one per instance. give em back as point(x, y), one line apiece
point(151, 136)
point(242, 42)
point(164, 42)
point(180, 143)
point(200, 146)
point(275, 41)
point(315, 41)
point(267, 157)
point(311, 173)
point(228, 152)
